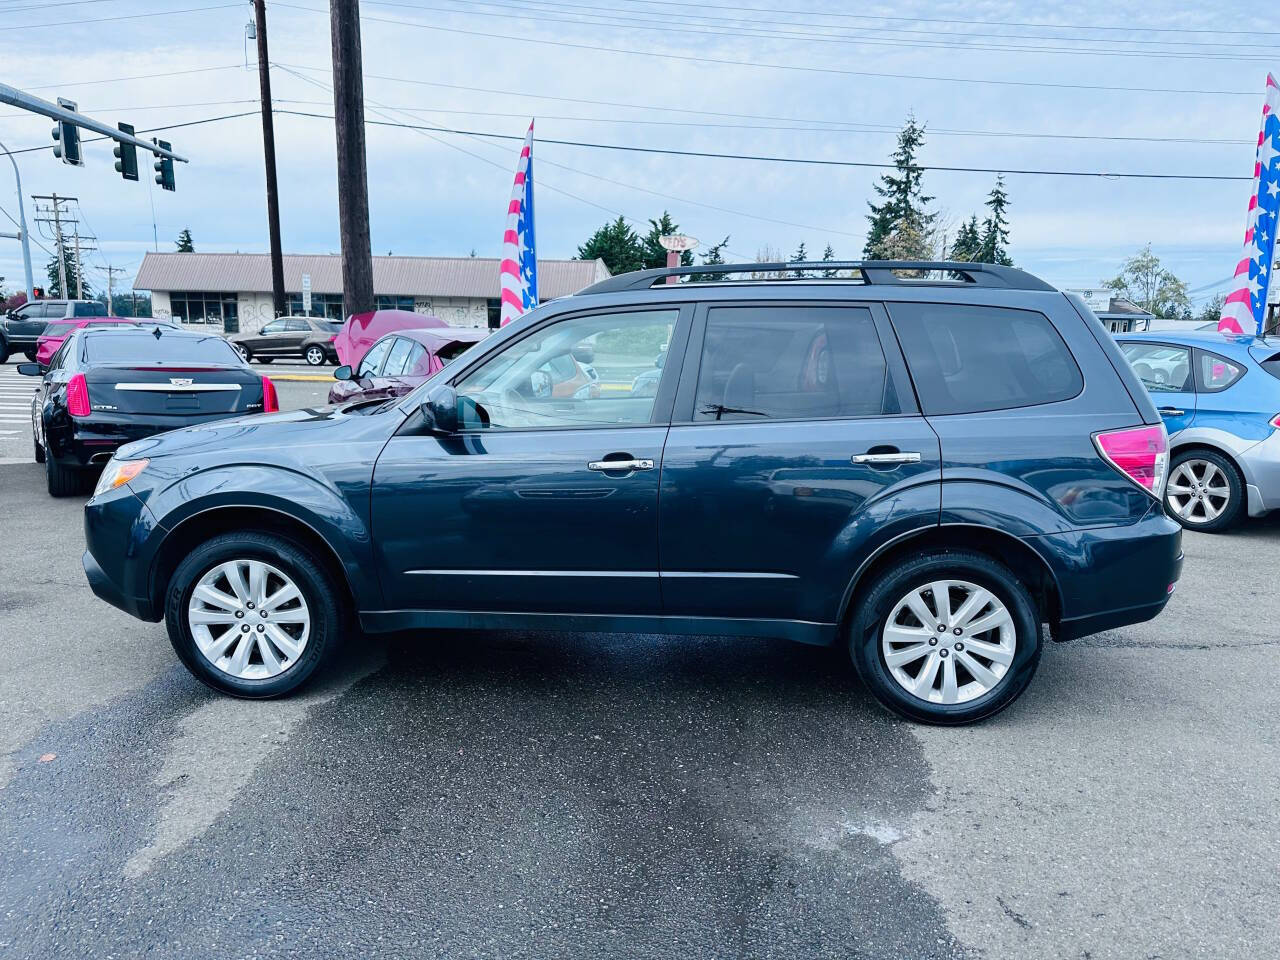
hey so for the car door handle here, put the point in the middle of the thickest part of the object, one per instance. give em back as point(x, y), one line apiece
point(619, 466)
point(1171, 412)
point(883, 458)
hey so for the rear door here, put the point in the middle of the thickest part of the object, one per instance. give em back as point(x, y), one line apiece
point(270, 340)
point(296, 330)
point(795, 447)
point(1166, 371)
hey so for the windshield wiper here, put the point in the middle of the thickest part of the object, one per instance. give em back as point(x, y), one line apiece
point(719, 409)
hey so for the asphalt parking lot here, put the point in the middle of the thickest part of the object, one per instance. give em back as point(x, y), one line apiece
point(569, 795)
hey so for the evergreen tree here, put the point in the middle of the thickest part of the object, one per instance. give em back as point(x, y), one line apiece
point(71, 267)
point(617, 245)
point(800, 256)
point(995, 228)
point(653, 252)
point(714, 255)
point(968, 243)
point(184, 243)
point(828, 255)
point(904, 207)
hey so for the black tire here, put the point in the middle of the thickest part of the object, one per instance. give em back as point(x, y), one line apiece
point(4, 351)
point(315, 584)
point(314, 355)
point(39, 450)
point(889, 587)
point(1235, 505)
point(63, 481)
point(30, 355)
point(263, 359)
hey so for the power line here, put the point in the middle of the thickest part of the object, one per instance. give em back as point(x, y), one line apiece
point(167, 126)
point(125, 16)
point(799, 68)
point(144, 76)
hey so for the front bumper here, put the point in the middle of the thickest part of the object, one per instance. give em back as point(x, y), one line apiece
point(121, 536)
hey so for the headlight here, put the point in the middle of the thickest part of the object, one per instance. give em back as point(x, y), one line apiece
point(118, 473)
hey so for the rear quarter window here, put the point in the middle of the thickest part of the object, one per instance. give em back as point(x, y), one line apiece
point(58, 329)
point(968, 359)
point(1271, 365)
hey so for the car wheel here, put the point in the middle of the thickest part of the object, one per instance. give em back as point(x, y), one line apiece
point(315, 356)
point(62, 481)
point(30, 355)
point(39, 450)
point(1205, 491)
point(948, 638)
point(251, 614)
point(4, 352)
point(264, 359)
point(245, 355)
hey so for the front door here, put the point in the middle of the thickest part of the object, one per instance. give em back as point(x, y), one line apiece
point(800, 449)
point(546, 499)
point(1165, 370)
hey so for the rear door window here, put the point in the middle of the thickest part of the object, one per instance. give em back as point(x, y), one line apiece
point(58, 329)
point(1162, 367)
point(968, 359)
point(400, 350)
point(89, 310)
point(419, 362)
point(792, 362)
point(1215, 373)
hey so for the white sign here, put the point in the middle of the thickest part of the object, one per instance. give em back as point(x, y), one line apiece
point(1096, 299)
point(306, 294)
point(677, 242)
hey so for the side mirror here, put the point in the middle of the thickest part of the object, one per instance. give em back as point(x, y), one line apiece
point(440, 409)
point(30, 370)
point(344, 372)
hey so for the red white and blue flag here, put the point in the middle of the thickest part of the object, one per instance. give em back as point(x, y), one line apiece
point(1246, 306)
point(519, 255)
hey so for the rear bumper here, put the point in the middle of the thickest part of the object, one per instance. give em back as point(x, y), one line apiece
point(91, 441)
point(1261, 465)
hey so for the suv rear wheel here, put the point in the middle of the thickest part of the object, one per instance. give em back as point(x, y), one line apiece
point(252, 614)
point(315, 355)
point(1205, 491)
point(950, 637)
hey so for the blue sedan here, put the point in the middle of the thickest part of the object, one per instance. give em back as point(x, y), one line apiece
point(1219, 395)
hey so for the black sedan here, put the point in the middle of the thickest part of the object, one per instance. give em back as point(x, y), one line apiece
point(106, 387)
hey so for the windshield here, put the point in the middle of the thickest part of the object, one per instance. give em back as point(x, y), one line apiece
point(148, 348)
point(58, 329)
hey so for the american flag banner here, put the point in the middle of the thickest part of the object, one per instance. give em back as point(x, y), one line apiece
point(519, 270)
point(1246, 305)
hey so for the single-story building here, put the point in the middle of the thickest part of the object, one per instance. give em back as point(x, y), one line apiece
point(1118, 314)
point(232, 291)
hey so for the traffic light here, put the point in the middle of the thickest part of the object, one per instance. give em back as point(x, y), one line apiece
point(164, 166)
point(126, 155)
point(37, 293)
point(66, 137)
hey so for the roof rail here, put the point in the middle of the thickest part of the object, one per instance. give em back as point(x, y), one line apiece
point(873, 271)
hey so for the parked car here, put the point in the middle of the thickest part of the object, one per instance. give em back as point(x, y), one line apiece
point(913, 469)
point(1219, 395)
point(362, 330)
point(108, 386)
point(399, 362)
point(310, 338)
point(20, 330)
point(58, 330)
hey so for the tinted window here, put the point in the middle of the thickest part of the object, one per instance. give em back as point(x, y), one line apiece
point(275, 326)
point(1161, 367)
point(792, 362)
point(94, 309)
point(51, 310)
point(372, 361)
point(579, 372)
point(58, 329)
point(1216, 373)
point(400, 350)
point(108, 348)
point(1272, 365)
point(966, 359)
point(297, 326)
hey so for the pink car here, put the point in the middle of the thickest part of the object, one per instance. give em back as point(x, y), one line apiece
point(59, 330)
point(362, 330)
point(399, 362)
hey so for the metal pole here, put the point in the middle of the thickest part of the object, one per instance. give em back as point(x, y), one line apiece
point(269, 155)
point(79, 267)
point(353, 178)
point(22, 225)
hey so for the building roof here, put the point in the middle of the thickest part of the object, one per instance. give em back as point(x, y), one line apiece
point(475, 277)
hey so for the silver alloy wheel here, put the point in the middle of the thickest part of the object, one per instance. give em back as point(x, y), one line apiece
point(949, 642)
point(243, 351)
point(1198, 491)
point(315, 356)
point(249, 619)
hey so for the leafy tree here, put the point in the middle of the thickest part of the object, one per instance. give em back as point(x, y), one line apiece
point(652, 250)
point(1146, 282)
point(71, 267)
point(800, 256)
point(713, 256)
point(617, 245)
point(906, 241)
point(1212, 311)
point(15, 301)
point(904, 207)
point(184, 243)
point(828, 255)
point(968, 243)
point(995, 228)
point(131, 304)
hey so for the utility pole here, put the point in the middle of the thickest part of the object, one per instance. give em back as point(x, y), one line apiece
point(52, 215)
point(79, 267)
point(269, 155)
point(353, 178)
point(111, 286)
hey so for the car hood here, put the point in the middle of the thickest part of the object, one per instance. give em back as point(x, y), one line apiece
point(268, 438)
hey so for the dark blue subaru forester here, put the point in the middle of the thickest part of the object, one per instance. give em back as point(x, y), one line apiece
point(926, 462)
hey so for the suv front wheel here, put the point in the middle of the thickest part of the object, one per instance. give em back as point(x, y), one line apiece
point(948, 638)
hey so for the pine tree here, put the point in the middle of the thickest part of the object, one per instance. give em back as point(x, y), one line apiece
point(184, 243)
point(617, 245)
point(968, 242)
point(71, 267)
point(995, 228)
point(828, 255)
point(904, 207)
point(713, 256)
point(800, 256)
point(653, 252)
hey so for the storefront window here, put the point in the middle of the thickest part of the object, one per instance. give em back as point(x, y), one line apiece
point(192, 307)
point(393, 303)
point(322, 305)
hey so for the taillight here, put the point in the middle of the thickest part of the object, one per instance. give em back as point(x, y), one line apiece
point(1275, 421)
point(78, 396)
point(269, 402)
point(1140, 453)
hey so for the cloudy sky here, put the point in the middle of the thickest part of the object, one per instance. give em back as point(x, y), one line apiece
point(1116, 87)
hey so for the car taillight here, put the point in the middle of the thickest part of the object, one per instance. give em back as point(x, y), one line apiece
point(333, 338)
point(1275, 421)
point(78, 396)
point(269, 402)
point(1140, 453)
